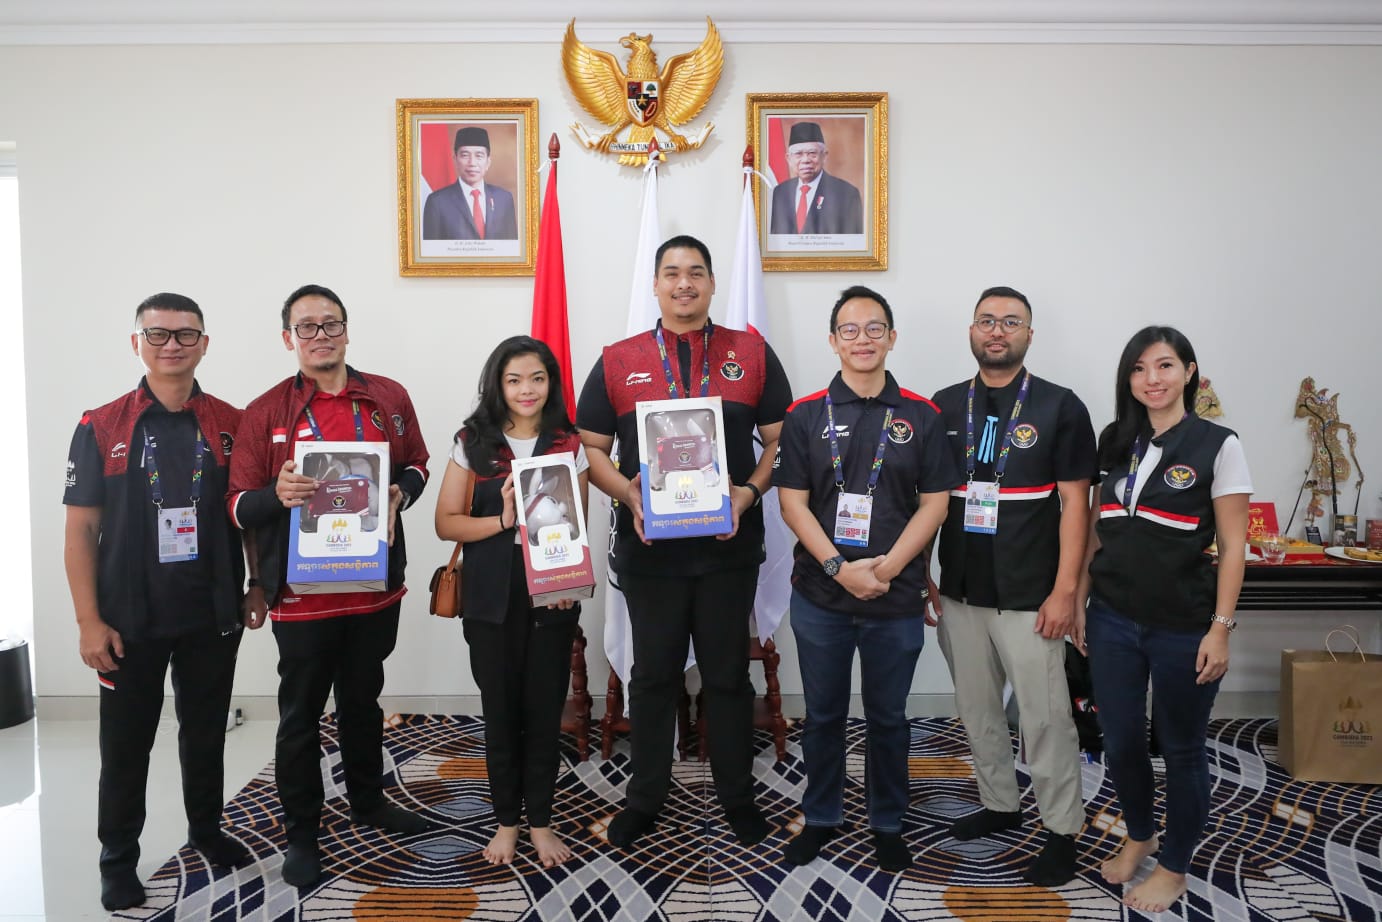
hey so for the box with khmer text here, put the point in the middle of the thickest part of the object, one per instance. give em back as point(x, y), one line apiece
point(551, 525)
point(681, 453)
point(338, 541)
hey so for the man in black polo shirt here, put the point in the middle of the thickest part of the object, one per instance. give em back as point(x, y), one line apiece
point(1010, 556)
point(697, 588)
point(863, 475)
point(156, 571)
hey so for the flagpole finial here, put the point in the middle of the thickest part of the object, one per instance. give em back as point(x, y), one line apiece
point(553, 147)
point(748, 157)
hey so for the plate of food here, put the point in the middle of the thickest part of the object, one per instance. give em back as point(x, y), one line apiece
point(1355, 554)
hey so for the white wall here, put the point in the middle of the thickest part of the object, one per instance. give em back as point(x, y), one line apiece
point(1231, 191)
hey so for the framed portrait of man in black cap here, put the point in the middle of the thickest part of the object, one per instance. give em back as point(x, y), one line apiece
point(825, 155)
point(467, 186)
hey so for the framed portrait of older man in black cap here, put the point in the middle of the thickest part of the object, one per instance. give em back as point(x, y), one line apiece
point(467, 186)
point(825, 155)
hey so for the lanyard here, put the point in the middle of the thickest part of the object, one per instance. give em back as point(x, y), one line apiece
point(151, 465)
point(317, 432)
point(1139, 448)
point(672, 390)
point(1007, 436)
point(835, 461)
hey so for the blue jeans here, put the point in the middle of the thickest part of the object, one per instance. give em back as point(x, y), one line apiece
point(1122, 656)
point(888, 650)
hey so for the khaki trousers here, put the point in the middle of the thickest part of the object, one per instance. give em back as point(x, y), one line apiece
point(984, 647)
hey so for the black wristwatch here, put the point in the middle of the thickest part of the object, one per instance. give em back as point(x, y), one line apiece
point(832, 566)
point(757, 493)
point(252, 583)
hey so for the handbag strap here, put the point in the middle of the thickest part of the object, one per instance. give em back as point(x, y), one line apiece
point(465, 510)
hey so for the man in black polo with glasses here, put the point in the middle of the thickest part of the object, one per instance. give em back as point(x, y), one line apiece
point(339, 639)
point(156, 574)
point(1011, 551)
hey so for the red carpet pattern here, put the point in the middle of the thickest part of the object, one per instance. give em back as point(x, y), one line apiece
point(1275, 849)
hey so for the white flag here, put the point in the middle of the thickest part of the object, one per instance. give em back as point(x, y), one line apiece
point(643, 314)
point(748, 310)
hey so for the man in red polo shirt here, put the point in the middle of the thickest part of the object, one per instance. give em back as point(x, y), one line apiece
point(339, 639)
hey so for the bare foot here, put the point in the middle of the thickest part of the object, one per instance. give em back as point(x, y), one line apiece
point(501, 848)
point(1121, 867)
point(1157, 892)
point(551, 851)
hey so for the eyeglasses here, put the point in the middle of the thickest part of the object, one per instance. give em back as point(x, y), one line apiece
point(157, 336)
point(986, 324)
point(874, 329)
point(332, 328)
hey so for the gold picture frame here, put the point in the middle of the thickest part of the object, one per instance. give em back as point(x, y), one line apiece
point(443, 232)
point(842, 223)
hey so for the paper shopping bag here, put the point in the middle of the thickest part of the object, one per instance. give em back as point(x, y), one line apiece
point(1331, 715)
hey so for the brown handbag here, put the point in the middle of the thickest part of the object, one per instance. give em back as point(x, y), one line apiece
point(446, 581)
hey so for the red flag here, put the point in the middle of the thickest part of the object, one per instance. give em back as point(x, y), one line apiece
point(549, 291)
point(437, 165)
point(777, 148)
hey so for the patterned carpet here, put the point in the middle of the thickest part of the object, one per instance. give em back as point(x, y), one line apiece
point(1275, 850)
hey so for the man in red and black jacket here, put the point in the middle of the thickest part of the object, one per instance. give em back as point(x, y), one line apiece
point(156, 573)
point(341, 638)
point(701, 589)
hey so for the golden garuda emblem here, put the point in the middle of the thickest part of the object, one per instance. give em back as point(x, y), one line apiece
point(645, 98)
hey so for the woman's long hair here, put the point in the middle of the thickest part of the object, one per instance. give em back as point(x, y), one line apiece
point(483, 431)
point(1130, 416)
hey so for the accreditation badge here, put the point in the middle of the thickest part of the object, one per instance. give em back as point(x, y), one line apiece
point(177, 534)
point(981, 507)
point(852, 515)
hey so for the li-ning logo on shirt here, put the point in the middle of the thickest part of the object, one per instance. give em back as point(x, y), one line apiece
point(841, 431)
point(118, 451)
point(638, 377)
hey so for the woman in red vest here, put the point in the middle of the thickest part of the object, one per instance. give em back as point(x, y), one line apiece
point(520, 655)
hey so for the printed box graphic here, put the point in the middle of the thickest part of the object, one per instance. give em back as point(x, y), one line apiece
point(551, 524)
point(681, 451)
point(338, 541)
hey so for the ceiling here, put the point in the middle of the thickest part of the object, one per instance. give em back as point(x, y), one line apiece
point(116, 22)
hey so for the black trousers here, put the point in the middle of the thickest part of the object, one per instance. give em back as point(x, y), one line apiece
point(203, 671)
point(713, 611)
point(313, 656)
point(523, 668)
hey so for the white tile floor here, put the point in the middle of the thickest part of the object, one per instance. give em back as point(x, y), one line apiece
point(48, 847)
